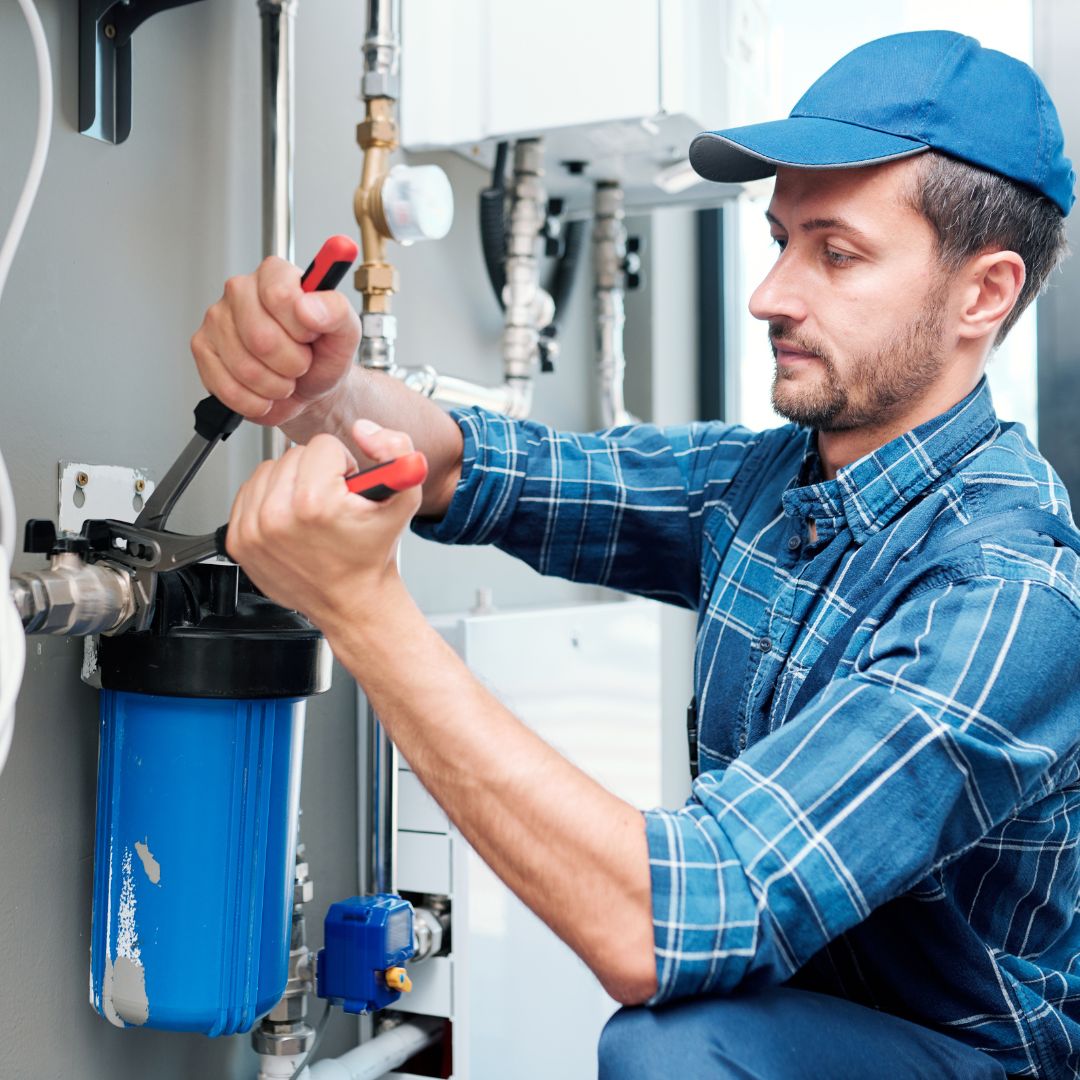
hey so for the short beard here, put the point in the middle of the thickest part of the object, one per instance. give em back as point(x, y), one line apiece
point(878, 385)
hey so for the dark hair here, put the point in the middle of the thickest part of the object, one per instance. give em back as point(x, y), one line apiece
point(973, 210)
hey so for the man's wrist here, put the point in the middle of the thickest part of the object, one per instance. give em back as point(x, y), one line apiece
point(366, 617)
point(317, 417)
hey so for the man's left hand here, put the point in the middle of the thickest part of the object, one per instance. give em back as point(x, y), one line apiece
point(309, 543)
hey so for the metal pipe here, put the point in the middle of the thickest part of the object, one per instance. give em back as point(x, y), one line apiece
point(377, 135)
point(278, 145)
point(278, 126)
point(377, 280)
point(430, 925)
point(382, 806)
point(512, 398)
point(609, 261)
point(284, 1035)
point(23, 599)
point(528, 307)
point(380, 1055)
point(382, 50)
point(72, 597)
point(378, 138)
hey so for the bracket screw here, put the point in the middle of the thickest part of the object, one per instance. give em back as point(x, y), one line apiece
point(110, 31)
point(140, 485)
point(82, 479)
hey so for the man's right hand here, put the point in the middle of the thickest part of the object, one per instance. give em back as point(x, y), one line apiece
point(269, 350)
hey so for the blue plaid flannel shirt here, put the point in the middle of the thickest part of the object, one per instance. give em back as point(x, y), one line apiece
point(909, 840)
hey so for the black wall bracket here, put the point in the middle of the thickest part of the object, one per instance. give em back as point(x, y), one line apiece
point(105, 31)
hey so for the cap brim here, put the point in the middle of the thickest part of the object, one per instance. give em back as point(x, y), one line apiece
point(803, 142)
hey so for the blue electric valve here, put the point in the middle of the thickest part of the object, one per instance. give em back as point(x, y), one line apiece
point(366, 938)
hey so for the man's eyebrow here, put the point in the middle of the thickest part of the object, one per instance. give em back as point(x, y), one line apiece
point(839, 224)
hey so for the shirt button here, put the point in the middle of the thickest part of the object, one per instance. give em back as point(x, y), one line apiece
point(742, 740)
point(765, 645)
point(794, 543)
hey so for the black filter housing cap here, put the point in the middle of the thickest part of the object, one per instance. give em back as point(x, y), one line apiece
point(214, 635)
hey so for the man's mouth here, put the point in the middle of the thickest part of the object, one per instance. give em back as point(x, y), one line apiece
point(786, 353)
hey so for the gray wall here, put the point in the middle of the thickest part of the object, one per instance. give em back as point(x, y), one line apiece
point(126, 248)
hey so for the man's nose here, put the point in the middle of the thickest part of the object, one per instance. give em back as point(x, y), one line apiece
point(779, 295)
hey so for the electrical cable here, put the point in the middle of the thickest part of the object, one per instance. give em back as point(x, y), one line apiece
point(12, 638)
point(320, 1027)
point(493, 223)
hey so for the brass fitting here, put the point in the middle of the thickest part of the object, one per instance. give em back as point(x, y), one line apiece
point(377, 135)
point(377, 131)
point(376, 278)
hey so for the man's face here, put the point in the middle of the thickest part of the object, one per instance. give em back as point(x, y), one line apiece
point(856, 302)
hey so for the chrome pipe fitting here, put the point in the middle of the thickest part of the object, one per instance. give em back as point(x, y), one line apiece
point(382, 50)
point(528, 307)
point(609, 262)
point(73, 597)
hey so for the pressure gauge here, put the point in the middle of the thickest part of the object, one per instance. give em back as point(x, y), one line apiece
point(417, 202)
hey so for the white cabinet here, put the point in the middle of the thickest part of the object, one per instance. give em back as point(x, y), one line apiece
point(588, 680)
point(619, 85)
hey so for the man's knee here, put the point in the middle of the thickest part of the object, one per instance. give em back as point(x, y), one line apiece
point(624, 1045)
point(782, 1033)
point(656, 1044)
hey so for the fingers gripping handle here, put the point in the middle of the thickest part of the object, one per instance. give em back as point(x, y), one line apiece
point(377, 484)
point(381, 481)
point(322, 275)
point(330, 265)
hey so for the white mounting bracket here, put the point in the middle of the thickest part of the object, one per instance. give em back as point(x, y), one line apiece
point(100, 491)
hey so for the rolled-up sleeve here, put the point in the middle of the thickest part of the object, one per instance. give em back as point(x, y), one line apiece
point(620, 508)
point(954, 714)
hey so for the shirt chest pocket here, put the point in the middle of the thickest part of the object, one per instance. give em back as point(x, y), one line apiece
point(817, 615)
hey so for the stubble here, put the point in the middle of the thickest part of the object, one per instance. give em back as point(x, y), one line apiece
point(878, 384)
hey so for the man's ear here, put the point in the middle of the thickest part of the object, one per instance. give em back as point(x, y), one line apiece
point(990, 286)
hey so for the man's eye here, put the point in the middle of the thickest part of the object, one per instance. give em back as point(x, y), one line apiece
point(780, 242)
point(838, 258)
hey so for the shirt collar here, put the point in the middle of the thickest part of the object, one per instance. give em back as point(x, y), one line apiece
point(870, 493)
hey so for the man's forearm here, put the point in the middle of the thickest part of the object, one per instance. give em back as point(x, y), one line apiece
point(572, 851)
point(374, 395)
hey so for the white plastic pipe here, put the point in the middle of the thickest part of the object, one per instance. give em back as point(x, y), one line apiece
point(378, 1056)
point(272, 1067)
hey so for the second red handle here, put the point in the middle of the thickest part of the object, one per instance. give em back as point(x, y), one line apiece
point(389, 477)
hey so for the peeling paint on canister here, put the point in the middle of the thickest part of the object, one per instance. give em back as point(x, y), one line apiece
point(106, 995)
point(149, 863)
point(124, 993)
point(129, 991)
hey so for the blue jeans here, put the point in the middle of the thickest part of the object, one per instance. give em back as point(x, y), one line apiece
point(780, 1034)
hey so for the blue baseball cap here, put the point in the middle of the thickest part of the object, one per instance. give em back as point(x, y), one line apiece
point(902, 95)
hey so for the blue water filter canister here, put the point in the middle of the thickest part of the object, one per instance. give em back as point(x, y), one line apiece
point(202, 723)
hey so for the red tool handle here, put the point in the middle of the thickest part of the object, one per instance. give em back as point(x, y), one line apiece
point(377, 483)
point(330, 265)
point(381, 481)
point(212, 419)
